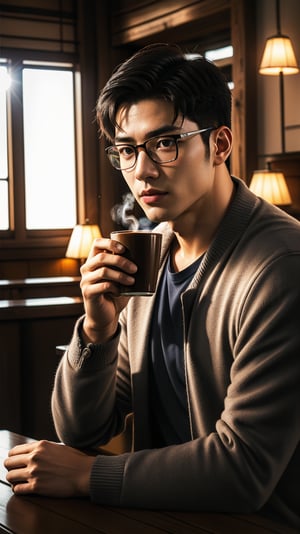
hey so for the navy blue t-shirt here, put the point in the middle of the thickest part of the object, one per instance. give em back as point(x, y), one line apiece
point(168, 399)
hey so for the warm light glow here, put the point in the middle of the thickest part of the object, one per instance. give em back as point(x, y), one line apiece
point(278, 57)
point(81, 240)
point(271, 186)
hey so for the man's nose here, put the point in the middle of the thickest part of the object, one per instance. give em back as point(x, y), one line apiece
point(144, 166)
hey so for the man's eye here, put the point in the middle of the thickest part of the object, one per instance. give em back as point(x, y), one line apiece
point(126, 151)
point(165, 143)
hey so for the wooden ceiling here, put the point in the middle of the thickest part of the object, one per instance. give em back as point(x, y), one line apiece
point(181, 21)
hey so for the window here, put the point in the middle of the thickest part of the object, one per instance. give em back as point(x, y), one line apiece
point(49, 148)
point(222, 58)
point(4, 84)
point(41, 160)
point(38, 140)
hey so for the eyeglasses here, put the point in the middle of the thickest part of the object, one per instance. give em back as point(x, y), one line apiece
point(160, 149)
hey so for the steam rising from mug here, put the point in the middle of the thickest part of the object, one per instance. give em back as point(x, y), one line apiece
point(120, 213)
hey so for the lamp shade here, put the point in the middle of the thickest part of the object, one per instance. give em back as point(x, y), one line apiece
point(271, 186)
point(81, 240)
point(278, 56)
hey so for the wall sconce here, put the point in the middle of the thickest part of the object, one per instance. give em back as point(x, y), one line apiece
point(279, 59)
point(81, 240)
point(272, 186)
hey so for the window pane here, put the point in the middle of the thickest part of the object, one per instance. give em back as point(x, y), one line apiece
point(49, 148)
point(3, 205)
point(3, 122)
point(219, 53)
point(4, 84)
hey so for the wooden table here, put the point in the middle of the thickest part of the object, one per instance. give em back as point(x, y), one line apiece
point(43, 515)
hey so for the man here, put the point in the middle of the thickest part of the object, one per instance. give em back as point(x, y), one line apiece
point(209, 366)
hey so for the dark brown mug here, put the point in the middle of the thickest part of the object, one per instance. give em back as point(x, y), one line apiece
point(142, 248)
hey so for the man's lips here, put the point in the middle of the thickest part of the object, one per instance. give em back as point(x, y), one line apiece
point(150, 196)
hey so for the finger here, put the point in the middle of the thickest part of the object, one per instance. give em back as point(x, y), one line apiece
point(24, 448)
point(106, 244)
point(15, 476)
point(103, 259)
point(106, 286)
point(15, 462)
point(91, 269)
point(107, 268)
point(23, 488)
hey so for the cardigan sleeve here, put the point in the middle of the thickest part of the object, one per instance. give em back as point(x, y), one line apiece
point(91, 394)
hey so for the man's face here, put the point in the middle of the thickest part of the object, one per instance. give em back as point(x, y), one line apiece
point(172, 191)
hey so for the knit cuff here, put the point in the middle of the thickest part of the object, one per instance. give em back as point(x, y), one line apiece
point(107, 479)
point(91, 356)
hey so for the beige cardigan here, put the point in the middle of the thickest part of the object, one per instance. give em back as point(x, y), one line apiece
point(242, 364)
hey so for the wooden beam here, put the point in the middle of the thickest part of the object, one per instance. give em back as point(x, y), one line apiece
point(145, 20)
point(244, 70)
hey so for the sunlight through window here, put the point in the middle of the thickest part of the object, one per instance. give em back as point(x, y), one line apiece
point(4, 85)
point(219, 53)
point(49, 148)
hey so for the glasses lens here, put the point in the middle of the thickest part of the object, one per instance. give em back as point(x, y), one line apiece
point(162, 149)
point(114, 157)
point(122, 157)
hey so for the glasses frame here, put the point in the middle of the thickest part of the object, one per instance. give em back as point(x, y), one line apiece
point(175, 137)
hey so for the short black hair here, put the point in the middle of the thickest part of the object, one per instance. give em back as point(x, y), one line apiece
point(195, 86)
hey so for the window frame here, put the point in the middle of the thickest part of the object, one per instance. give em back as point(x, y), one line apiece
point(19, 242)
point(4, 63)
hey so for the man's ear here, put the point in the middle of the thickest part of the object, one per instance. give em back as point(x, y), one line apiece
point(222, 144)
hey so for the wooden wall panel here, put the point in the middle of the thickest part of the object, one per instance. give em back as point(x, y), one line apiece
point(29, 334)
point(10, 376)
